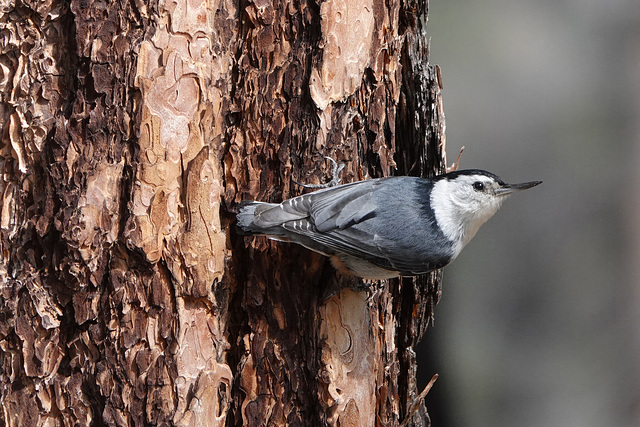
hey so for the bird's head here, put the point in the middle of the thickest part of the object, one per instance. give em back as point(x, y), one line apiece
point(464, 200)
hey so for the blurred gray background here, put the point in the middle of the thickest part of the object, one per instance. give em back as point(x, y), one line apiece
point(539, 324)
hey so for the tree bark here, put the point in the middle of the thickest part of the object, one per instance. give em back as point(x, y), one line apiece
point(130, 131)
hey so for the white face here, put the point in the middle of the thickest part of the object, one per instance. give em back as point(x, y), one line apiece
point(461, 205)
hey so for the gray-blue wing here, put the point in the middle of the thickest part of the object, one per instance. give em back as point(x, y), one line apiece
point(377, 220)
point(382, 221)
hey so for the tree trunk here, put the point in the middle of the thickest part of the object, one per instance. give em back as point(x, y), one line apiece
point(130, 131)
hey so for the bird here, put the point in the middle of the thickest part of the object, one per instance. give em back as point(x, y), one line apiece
point(386, 227)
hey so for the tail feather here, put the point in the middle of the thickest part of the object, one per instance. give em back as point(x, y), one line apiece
point(245, 217)
point(265, 218)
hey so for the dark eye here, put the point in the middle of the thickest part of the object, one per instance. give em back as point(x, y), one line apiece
point(478, 186)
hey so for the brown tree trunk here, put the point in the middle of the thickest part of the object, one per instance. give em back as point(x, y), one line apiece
point(130, 130)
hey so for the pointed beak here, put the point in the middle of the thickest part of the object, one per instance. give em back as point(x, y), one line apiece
point(507, 189)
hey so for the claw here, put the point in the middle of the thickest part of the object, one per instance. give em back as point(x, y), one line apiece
point(335, 176)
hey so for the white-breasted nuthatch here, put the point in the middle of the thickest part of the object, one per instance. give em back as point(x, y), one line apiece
point(385, 227)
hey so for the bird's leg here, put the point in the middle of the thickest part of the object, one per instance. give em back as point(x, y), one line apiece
point(372, 287)
point(334, 282)
point(335, 176)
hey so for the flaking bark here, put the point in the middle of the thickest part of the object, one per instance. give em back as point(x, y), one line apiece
point(130, 131)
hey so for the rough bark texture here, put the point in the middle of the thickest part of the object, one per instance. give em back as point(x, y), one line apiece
point(130, 130)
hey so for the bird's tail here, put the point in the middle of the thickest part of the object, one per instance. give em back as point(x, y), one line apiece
point(246, 216)
point(264, 218)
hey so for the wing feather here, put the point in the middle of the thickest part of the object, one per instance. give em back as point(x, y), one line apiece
point(348, 219)
point(337, 219)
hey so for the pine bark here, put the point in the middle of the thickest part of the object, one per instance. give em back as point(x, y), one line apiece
point(130, 131)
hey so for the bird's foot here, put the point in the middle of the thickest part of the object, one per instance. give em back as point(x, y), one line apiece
point(335, 176)
point(372, 287)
